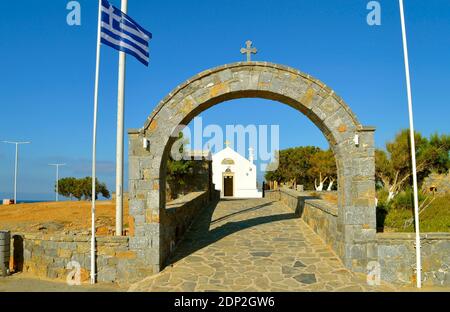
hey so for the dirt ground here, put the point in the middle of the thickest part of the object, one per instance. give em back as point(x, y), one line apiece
point(28, 283)
point(67, 217)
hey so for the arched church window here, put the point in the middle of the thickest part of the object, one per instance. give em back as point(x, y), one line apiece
point(228, 161)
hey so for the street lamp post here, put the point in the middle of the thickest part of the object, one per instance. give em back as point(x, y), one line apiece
point(57, 178)
point(16, 165)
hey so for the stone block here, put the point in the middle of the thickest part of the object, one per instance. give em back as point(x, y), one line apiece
point(225, 75)
point(134, 171)
point(137, 206)
point(107, 275)
point(139, 243)
point(27, 254)
point(51, 252)
point(83, 260)
point(357, 251)
point(64, 253)
point(106, 251)
point(355, 216)
point(83, 248)
point(126, 254)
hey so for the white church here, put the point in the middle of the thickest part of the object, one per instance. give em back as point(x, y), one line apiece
point(234, 175)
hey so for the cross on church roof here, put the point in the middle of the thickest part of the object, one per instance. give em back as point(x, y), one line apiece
point(227, 143)
point(249, 50)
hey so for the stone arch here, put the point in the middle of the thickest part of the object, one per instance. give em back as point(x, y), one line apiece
point(356, 222)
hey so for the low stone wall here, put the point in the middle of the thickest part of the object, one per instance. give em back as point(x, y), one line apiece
point(272, 195)
point(179, 215)
point(395, 252)
point(322, 218)
point(48, 256)
point(397, 258)
point(318, 214)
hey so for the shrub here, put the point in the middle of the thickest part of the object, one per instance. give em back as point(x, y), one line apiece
point(405, 200)
point(398, 215)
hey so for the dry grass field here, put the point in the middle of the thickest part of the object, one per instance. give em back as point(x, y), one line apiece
point(52, 217)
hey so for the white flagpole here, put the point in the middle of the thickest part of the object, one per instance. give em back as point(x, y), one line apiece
point(15, 173)
point(413, 149)
point(94, 144)
point(120, 135)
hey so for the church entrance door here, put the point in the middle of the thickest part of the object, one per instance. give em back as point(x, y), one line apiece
point(228, 184)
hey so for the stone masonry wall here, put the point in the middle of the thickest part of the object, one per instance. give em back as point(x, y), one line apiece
point(47, 256)
point(179, 215)
point(397, 258)
point(272, 195)
point(319, 215)
point(322, 218)
point(395, 252)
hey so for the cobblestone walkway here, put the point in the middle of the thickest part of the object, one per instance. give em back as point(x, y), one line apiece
point(253, 245)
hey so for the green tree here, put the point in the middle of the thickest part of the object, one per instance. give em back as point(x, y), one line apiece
point(393, 167)
point(81, 188)
point(303, 165)
point(438, 152)
point(292, 165)
point(323, 166)
point(86, 188)
point(179, 172)
point(383, 169)
point(66, 187)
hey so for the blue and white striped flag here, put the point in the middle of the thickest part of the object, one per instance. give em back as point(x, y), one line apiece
point(122, 33)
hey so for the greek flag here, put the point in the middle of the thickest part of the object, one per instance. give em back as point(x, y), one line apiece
point(122, 33)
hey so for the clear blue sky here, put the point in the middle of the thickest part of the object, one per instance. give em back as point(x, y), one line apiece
point(47, 67)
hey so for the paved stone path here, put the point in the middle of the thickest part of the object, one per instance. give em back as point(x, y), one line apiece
point(253, 245)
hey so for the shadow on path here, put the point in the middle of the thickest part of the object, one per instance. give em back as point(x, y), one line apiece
point(200, 235)
point(238, 212)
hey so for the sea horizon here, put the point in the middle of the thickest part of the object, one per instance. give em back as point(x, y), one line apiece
point(32, 201)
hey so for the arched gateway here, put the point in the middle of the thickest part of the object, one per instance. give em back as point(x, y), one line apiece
point(352, 143)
